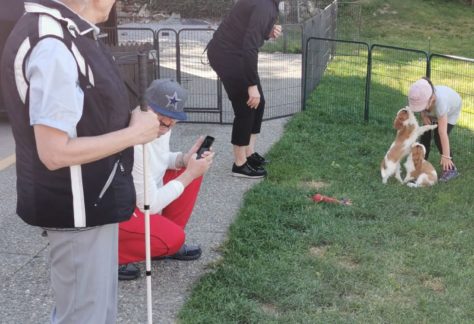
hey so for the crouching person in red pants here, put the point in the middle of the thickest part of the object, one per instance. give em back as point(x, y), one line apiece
point(174, 180)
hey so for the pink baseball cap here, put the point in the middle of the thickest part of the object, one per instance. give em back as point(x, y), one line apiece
point(419, 95)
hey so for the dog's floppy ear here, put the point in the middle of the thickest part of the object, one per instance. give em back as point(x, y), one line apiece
point(402, 115)
point(418, 155)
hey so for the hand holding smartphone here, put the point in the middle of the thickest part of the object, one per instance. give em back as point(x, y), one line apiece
point(205, 146)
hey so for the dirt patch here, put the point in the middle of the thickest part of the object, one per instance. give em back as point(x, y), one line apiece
point(314, 184)
point(385, 10)
point(348, 263)
point(270, 309)
point(318, 251)
point(435, 284)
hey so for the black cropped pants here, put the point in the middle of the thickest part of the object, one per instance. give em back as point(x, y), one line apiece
point(229, 67)
point(425, 139)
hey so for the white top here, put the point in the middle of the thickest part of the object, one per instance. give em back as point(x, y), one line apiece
point(159, 159)
point(448, 102)
point(56, 99)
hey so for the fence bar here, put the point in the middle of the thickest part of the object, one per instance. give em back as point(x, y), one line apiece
point(367, 85)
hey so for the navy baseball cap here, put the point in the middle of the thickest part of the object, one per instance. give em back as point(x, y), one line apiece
point(167, 97)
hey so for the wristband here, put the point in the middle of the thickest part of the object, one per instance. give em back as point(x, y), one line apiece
point(446, 157)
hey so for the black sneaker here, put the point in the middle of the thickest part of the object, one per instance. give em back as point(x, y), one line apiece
point(248, 171)
point(128, 272)
point(185, 253)
point(256, 160)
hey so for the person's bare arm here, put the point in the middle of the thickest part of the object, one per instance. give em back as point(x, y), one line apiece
point(446, 161)
point(57, 150)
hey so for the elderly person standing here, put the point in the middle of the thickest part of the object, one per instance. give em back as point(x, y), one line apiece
point(439, 105)
point(233, 54)
point(74, 139)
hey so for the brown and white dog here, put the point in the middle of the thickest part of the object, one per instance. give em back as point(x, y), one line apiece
point(407, 133)
point(420, 173)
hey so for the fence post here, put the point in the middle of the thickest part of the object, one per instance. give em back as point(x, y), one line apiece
point(283, 22)
point(428, 66)
point(156, 46)
point(304, 65)
point(178, 57)
point(303, 77)
point(367, 83)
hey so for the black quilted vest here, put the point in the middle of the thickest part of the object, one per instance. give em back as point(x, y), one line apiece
point(103, 190)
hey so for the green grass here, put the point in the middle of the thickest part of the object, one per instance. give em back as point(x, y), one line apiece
point(397, 255)
point(436, 26)
point(433, 25)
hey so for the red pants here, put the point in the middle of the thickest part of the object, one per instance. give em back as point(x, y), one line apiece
point(167, 230)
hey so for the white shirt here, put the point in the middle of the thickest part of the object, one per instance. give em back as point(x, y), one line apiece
point(159, 159)
point(55, 97)
point(448, 102)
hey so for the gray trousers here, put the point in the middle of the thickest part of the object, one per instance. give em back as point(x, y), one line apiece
point(84, 275)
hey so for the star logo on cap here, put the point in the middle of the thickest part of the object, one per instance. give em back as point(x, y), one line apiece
point(173, 100)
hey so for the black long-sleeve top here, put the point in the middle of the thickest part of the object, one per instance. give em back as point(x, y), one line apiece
point(244, 31)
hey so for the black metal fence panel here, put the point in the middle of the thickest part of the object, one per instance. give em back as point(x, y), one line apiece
point(167, 53)
point(127, 38)
point(344, 67)
point(392, 71)
point(322, 25)
point(318, 55)
point(280, 75)
point(204, 104)
point(178, 54)
point(340, 72)
point(280, 69)
point(458, 74)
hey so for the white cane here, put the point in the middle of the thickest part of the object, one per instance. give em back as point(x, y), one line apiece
point(142, 74)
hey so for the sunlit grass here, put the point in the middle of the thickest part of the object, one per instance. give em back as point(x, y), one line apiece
point(397, 255)
point(437, 26)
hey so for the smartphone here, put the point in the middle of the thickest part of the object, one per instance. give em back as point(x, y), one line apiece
point(205, 146)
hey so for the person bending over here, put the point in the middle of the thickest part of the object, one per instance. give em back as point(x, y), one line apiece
point(438, 105)
point(233, 55)
point(174, 180)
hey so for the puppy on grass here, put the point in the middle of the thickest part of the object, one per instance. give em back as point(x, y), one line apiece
point(407, 133)
point(420, 173)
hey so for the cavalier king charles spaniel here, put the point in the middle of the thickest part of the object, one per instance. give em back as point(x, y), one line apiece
point(420, 173)
point(407, 133)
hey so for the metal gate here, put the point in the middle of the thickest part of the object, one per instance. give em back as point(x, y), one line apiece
point(179, 54)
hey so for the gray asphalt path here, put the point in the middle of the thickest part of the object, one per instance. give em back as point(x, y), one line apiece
point(25, 296)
